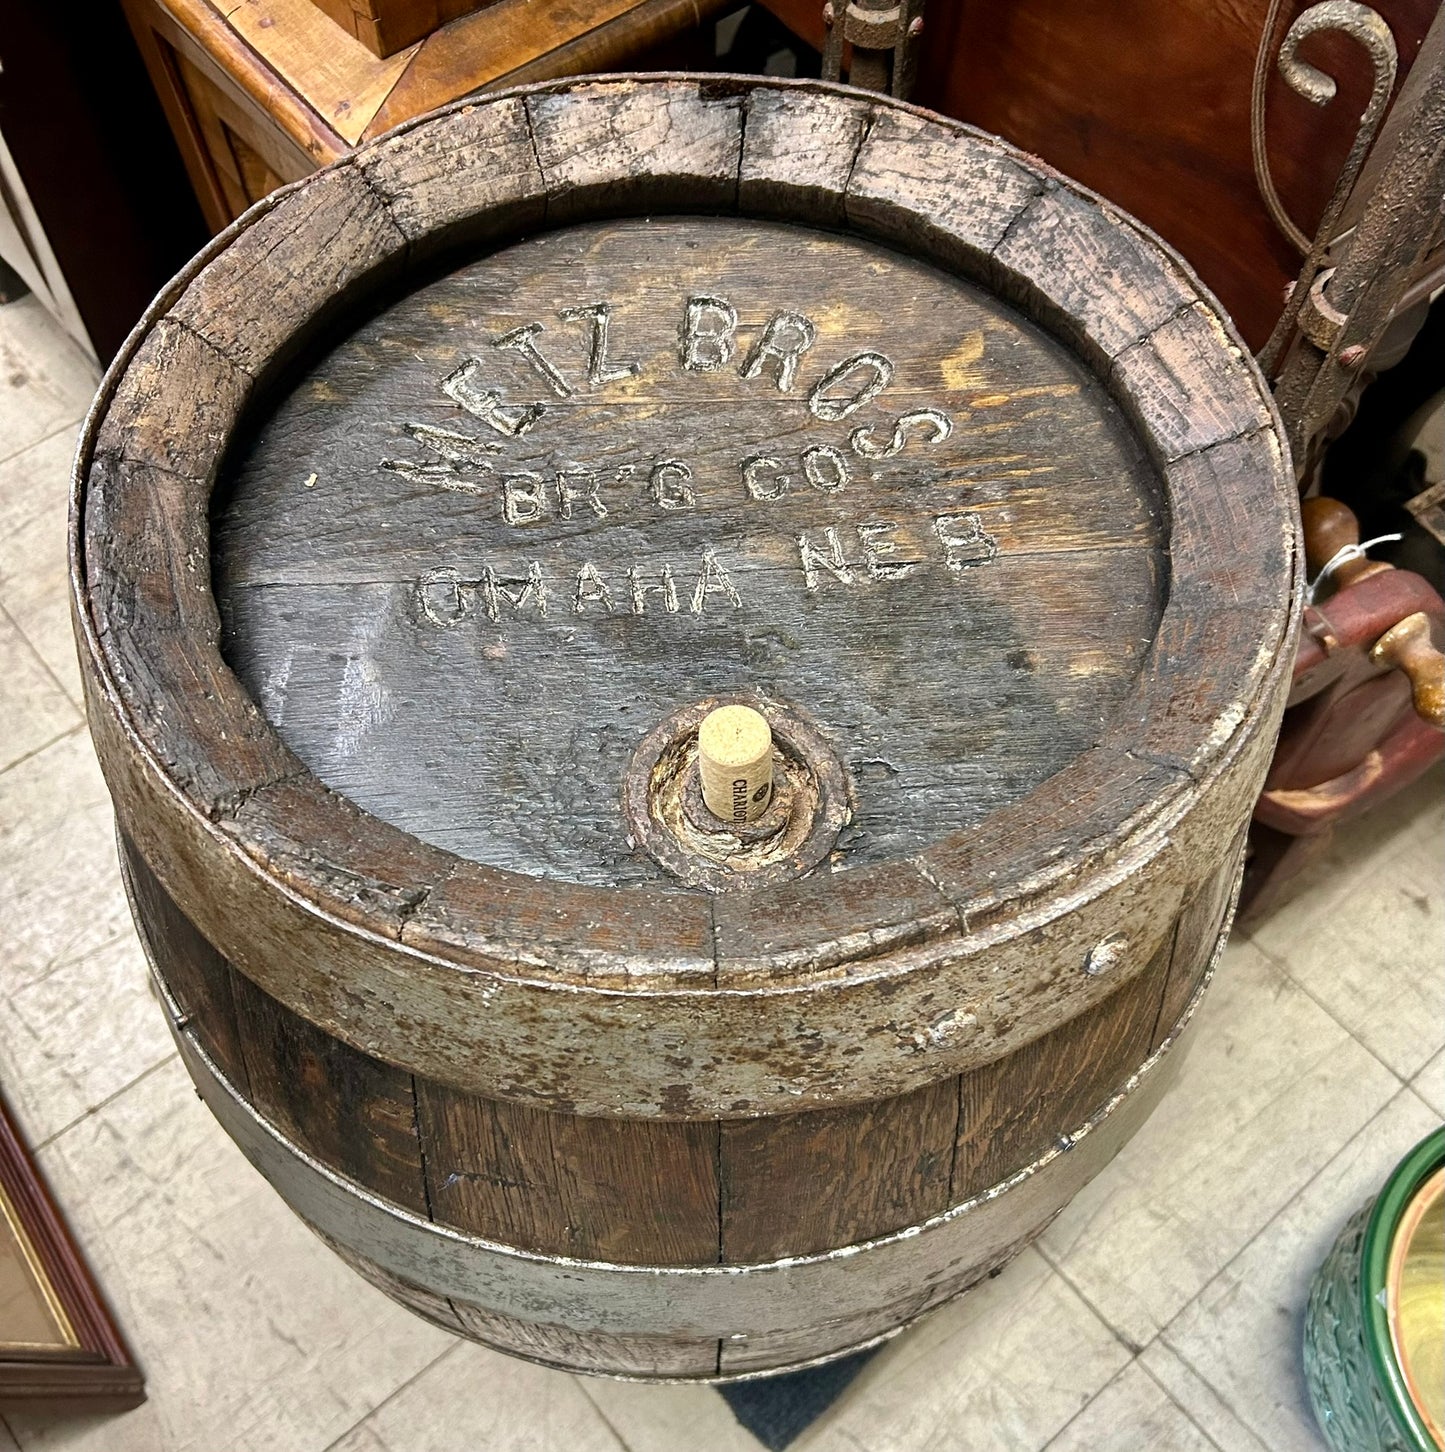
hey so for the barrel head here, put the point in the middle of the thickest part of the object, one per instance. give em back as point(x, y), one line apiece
point(488, 540)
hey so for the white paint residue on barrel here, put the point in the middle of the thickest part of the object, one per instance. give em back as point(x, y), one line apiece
point(363, 702)
point(273, 690)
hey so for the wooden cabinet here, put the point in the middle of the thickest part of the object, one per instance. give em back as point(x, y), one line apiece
point(267, 91)
point(1151, 105)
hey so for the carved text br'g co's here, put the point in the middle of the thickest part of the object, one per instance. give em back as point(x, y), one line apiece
point(783, 356)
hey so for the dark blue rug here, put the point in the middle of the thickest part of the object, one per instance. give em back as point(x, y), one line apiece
point(779, 1408)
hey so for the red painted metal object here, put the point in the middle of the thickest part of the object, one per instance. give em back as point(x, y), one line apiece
point(1366, 712)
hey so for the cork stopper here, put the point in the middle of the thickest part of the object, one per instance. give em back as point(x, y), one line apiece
point(735, 763)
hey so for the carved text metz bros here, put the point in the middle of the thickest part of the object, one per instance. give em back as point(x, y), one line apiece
point(708, 342)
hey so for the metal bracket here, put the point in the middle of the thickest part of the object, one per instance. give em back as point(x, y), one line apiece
point(1319, 320)
point(884, 38)
point(1334, 317)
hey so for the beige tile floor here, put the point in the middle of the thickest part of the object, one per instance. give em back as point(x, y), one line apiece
point(1160, 1313)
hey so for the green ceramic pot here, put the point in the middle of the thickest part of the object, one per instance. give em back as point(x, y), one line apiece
point(1356, 1381)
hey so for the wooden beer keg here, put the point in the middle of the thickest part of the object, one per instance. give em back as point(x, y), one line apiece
point(429, 512)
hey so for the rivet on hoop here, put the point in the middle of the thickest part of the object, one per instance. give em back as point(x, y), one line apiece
point(1106, 955)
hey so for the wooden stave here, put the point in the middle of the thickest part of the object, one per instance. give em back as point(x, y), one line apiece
point(635, 1340)
point(630, 1344)
point(1161, 845)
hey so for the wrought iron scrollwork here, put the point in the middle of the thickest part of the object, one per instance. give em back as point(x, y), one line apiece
point(1307, 305)
point(1354, 282)
point(1364, 26)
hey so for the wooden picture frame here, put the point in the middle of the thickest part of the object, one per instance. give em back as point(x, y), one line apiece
point(60, 1348)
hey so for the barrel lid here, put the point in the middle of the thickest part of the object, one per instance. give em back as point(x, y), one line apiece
point(425, 514)
point(496, 535)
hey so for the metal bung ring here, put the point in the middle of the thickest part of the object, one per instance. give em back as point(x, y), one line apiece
point(667, 818)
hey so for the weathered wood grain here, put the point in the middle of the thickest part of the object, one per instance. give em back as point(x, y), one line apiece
point(352, 1112)
point(1015, 1109)
point(290, 824)
point(322, 583)
point(197, 976)
point(798, 150)
point(1096, 790)
point(921, 1014)
point(660, 937)
point(940, 1256)
point(627, 147)
point(797, 1184)
point(793, 934)
point(147, 578)
point(748, 1065)
point(439, 198)
point(1107, 287)
point(311, 246)
point(222, 746)
point(636, 1193)
point(1216, 497)
point(181, 402)
point(903, 188)
point(1189, 384)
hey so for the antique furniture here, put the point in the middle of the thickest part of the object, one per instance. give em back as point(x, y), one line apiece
point(265, 91)
point(387, 26)
point(59, 1346)
point(1179, 114)
point(435, 506)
